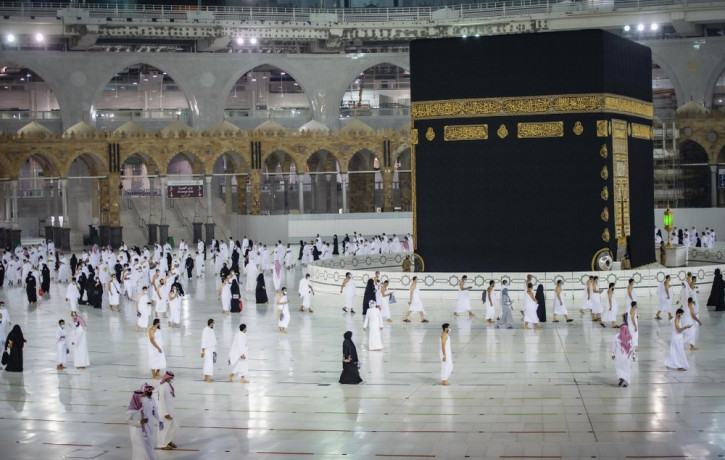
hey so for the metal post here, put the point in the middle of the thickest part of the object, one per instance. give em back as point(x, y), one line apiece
point(344, 192)
point(64, 201)
point(713, 186)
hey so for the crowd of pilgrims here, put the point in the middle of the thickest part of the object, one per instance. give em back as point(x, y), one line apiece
point(688, 238)
point(151, 279)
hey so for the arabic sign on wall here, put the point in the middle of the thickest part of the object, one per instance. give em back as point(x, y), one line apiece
point(185, 189)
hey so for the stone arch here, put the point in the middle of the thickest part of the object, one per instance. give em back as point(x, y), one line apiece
point(47, 162)
point(695, 177)
point(229, 86)
point(664, 98)
point(361, 66)
point(387, 86)
point(152, 166)
point(41, 73)
point(94, 162)
point(365, 181)
point(402, 180)
point(322, 160)
point(195, 163)
point(711, 83)
point(105, 79)
point(403, 156)
point(235, 161)
point(667, 69)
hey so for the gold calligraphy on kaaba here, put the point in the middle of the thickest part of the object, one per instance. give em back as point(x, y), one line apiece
point(465, 132)
point(430, 134)
point(604, 174)
point(604, 152)
point(502, 131)
point(605, 214)
point(604, 194)
point(542, 129)
point(602, 128)
point(620, 157)
point(413, 136)
point(605, 235)
point(640, 131)
point(531, 105)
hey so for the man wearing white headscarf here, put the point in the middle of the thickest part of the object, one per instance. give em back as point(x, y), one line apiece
point(61, 345)
point(165, 401)
point(81, 359)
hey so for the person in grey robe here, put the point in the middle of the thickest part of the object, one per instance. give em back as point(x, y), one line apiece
point(506, 321)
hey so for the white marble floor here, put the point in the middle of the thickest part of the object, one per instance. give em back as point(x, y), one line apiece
point(514, 393)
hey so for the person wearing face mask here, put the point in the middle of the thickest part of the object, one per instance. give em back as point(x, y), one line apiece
point(348, 290)
point(81, 360)
point(446, 355)
point(283, 311)
point(208, 350)
point(61, 345)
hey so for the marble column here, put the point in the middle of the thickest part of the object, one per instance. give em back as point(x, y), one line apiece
point(387, 189)
point(163, 225)
point(344, 191)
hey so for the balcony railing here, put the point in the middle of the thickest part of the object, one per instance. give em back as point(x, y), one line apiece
point(179, 13)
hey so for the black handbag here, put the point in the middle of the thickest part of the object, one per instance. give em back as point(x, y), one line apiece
point(6, 358)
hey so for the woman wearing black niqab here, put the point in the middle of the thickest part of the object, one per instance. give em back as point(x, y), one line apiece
point(717, 294)
point(45, 281)
point(541, 299)
point(31, 289)
point(350, 373)
point(260, 293)
point(14, 345)
point(368, 296)
point(234, 289)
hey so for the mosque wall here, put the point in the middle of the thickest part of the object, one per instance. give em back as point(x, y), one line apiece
point(292, 228)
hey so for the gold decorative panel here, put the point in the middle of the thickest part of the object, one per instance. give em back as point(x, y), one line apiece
point(641, 131)
point(605, 235)
point(542, 129)
point(531, 105)
point(413, 136)
point(502, 131)
point(604, 173)
point(602, 128)
point(605, 214)
point(430, 134)
point(620, 152)
point(604, 151)
point(578, 128)
point(604, 194)
point(465, 132)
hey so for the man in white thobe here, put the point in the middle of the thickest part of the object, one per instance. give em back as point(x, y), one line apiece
point(208, 350)
point(238, 355)
point(72, 296)
point(306, 292)
point(165, 403)
point(61, 345)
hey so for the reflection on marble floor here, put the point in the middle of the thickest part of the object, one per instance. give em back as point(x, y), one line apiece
point(549, 393)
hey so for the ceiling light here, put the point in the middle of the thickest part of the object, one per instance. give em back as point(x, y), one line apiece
point(653, 27)
point(10, 38)
point(640, 27)
point(240, 41)
point(627, 28)
point(39, 38)
point(253, 40)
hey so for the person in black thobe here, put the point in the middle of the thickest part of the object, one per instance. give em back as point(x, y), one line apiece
point(302, 247)
point(335, 250)
point(95, 294)
point(235, 297)
point(541, 299)
point(189, 264)
point(368, 296)
point(260, 292)
point(350, 373)
point(82, 280)
point(2, 273)
point(717, 294)
point(73, 265)
point(235, 260)
point(118, 268)
point(14, 344)
point(31, 289)
point(224, 272)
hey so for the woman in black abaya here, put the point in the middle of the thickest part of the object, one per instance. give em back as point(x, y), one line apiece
point(45, 281)
point(541, 299)
point(369, 295)
point(31, 289)
point(717, 294)
point(350, 373)
point(234, 308)
point(14, 345)
point(261, 290)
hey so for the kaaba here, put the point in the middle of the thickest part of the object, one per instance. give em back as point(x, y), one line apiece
point(531, 152)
